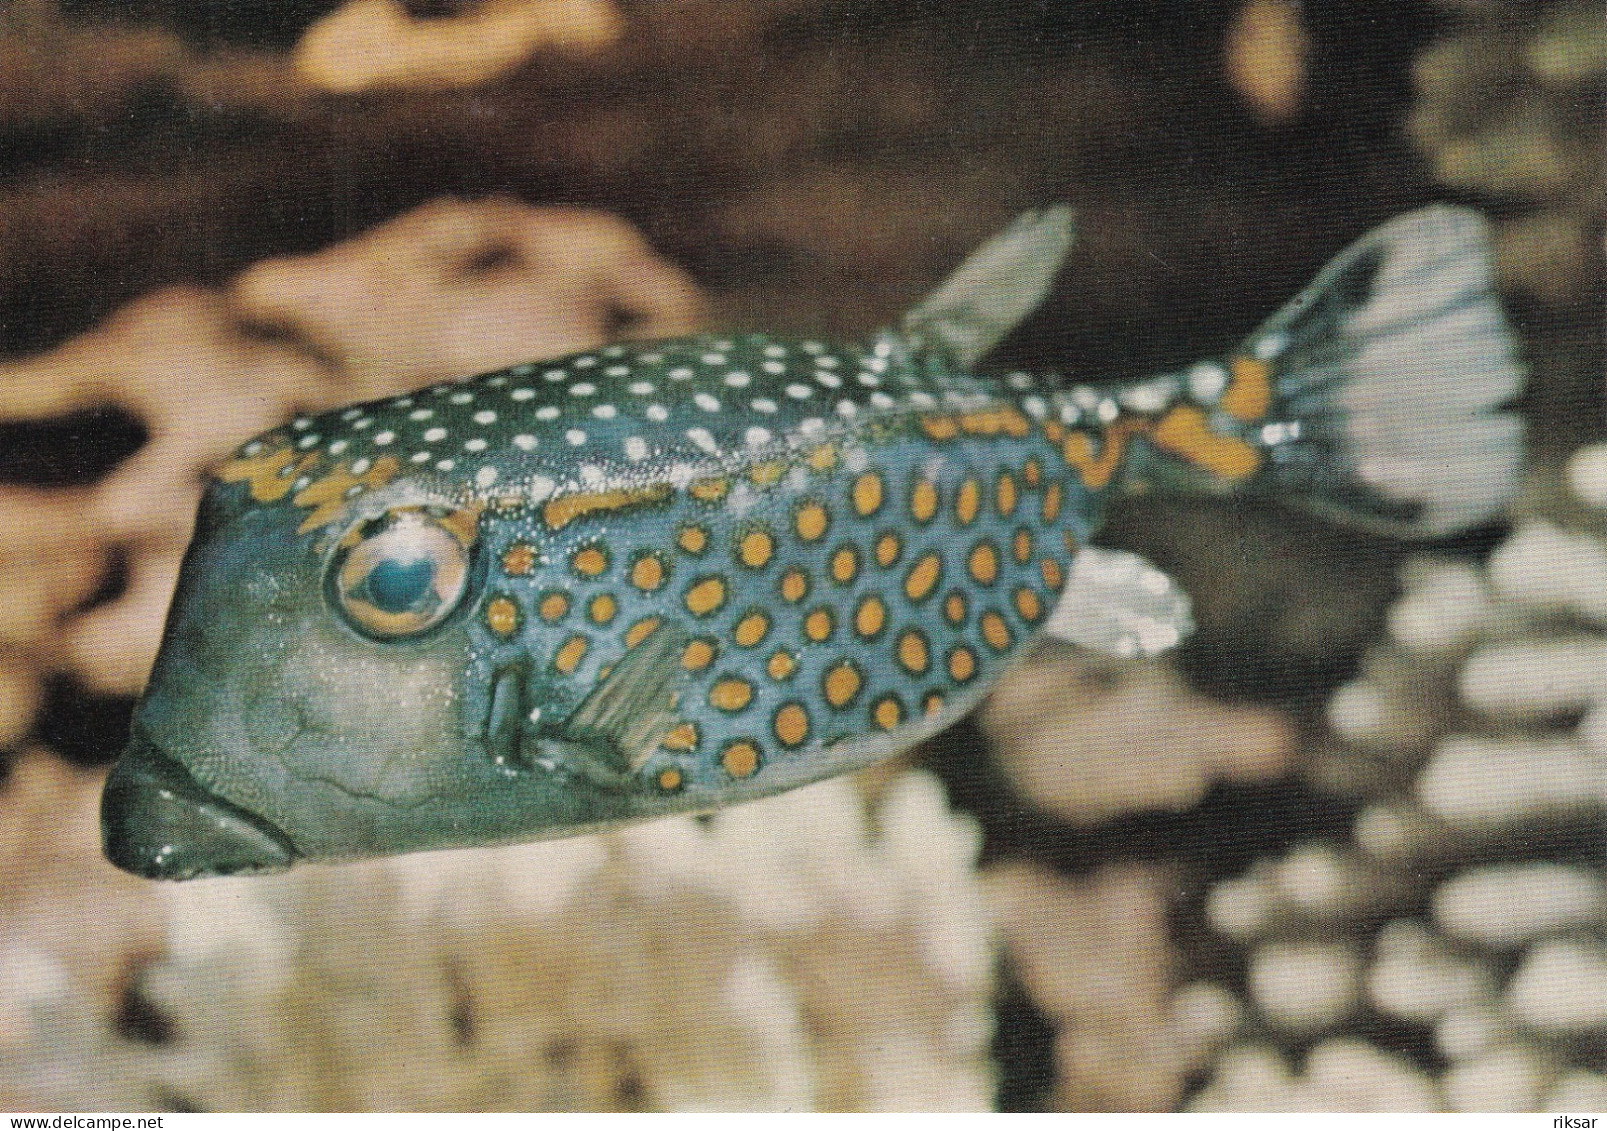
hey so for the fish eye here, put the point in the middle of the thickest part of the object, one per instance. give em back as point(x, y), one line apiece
point(399, 575)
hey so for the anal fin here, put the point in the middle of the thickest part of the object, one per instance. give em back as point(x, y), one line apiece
point(1119, 604)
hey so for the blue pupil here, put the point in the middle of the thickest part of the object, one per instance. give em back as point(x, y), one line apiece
point(394, 586)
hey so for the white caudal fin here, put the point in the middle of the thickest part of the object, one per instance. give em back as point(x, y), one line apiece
point(1388, 376)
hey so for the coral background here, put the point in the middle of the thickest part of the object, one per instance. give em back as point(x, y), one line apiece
point(212, 216)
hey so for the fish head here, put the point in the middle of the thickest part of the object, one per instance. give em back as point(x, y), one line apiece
point(311, 697)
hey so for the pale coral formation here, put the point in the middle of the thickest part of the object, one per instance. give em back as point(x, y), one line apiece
point(794, 954)
point(1481, 847)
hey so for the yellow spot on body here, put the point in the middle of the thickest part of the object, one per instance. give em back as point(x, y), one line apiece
point(984, 563)
point(967, 502)
point(670, 779)
point(954, 607)
point(692, 538)
point(640, 631)
point(751, 629)
point(1186, 432)
point(518, 559)
point(683, 736)
point(794, 585)
point(756, 549)
point(781, 665)
point(791, 724)
point(823, 458)
point(1021, 546)
point(841, 683)
point(730, 694)
point(867, 494)
point(871, 617)
point(1032, 472)
point(923, 577)
point(1028, 605)
point(845, 565)
point(923, 500)
point(818, 624)
point(1052, 497)
point(648, 572)
point(888, 713)
point(328, 497)
point(994, 421)
point(811, 521)
point(995, 631)
point(1249, 392)
point(698, 655)
point(913, 654)
point(560, 512)
point(705, 596)
point(1052, 575)
point(962, 664)
point(602, 609)
point(767, 474)
point(1006, 495)
point(710, 490)
point(502, 616)
point(568, 657)
point(940, 427)
point(553, 607)
point(933, 704)
point(740, 759)
point(888, 547)
point(589, 561)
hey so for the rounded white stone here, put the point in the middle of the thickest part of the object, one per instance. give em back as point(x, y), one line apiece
point(1489, 784)
point(1471, 1030)
point(1537, 679)
point(1507, 905)
point(1577, 1091)
point(1505, 1079)
point(1415, 977)
point(1445, 607)
point(1544, 567)
point(1305, 986)
point(1561, 987)
point(1587, 475)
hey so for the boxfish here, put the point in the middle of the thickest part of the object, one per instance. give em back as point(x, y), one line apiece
point(670, 576)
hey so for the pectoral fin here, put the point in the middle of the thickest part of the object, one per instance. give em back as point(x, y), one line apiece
point(1117, 603)
point(627, 714)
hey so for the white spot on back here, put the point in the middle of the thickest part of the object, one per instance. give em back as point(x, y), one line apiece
point(434, 435)
point(703, 439)
point(547, 412)
point(522, 393)
point(383, 438)
point(485, 416)
point(584, 389)
point(764, 404)
point(604, 411)
point(461, 398)
point(361, 465)
point(525, 442)
point(738, 379)
point(485, 477)
point(706, 402)
point(641, 388)
point(474, 445)
point(421, 414)
point(756, 436)
point(575, 436)
point(657, 412)
point(635, 448)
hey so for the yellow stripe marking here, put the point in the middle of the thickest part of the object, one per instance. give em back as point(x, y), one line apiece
point(560, 512)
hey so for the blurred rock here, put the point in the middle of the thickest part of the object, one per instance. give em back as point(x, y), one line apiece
point(460, 287)
point(366, 44)
point(1056, 720)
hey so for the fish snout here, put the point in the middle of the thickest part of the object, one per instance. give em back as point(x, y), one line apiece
point(158, 822)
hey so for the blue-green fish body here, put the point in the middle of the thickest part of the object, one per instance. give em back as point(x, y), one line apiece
point(670, 576)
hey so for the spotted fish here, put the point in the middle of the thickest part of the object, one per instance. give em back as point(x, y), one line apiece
point(669, 576)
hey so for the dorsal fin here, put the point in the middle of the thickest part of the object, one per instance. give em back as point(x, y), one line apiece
point(627, 713)
point(994, 290)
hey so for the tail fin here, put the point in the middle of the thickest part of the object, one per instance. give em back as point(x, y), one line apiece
point(1375, 393)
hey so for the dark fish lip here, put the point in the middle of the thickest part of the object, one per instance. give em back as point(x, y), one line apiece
point(158, 822)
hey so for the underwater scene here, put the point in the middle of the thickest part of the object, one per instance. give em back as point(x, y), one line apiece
point(802, 555)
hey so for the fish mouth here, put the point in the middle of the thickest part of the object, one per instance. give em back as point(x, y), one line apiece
point(158, 822)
